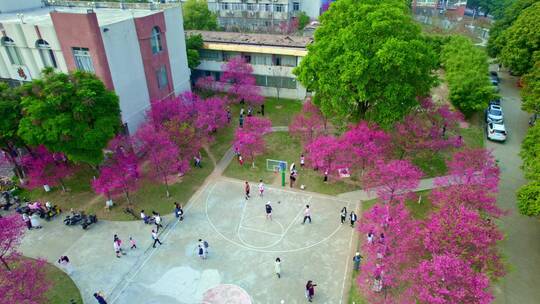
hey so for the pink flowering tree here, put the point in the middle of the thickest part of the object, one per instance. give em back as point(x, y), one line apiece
point(155, 146)
point(11, 233)
point(472, 180)
point(120, 172)
point(211, 116)
point(290, 26)
point(367, 144)
point(207, 86)
point(393, 180)
point(447, 279)
point(249, 141)
point(328, 153)
point(394, 248)
point(27, 282)
point(308, 124)
point(240, 82)
point(430, 128)
point(45, 168)
point(463, 232)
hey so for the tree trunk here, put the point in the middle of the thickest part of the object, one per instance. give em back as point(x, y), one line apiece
point(166, 185)
point(5, 263)
point(62, 185)
point(127, 197)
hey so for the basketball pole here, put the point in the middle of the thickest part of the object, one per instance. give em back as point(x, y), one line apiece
point(282, 178)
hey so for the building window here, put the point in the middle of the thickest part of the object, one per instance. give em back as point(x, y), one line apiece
point(12, 51)
point(247, 58)
point(228, 55)
point(237, 6)
point(224, 6)
point(210, 55)
point(278, 8)
point(156, 40)
point(83, 60)
point(267, 7)
point(251, 7)
point(296, 6)
point(161, 76)
point(46, 54)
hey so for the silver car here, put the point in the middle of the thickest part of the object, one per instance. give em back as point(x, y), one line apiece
point(496, 132)
point(494, 114)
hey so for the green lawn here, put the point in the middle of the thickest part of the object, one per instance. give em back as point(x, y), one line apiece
point(150, 196)
point(281, 146)
point(474, 136)
point(63, 289)
point(280, 112)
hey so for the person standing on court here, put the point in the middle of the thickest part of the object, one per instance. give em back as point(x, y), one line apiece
point(310, 290)
point(157, 220)
point(343, 214)
point(268, 210)
point(277, 267)
point(155, 238)
point(307, 215)
point(246, 188)
point(99, 298)
point(261, 188)
point(353, 218)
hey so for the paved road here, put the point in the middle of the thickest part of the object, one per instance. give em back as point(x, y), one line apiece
point(522, 244)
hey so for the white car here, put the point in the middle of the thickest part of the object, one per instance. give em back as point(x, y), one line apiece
point(496, 131)
point(494, 114)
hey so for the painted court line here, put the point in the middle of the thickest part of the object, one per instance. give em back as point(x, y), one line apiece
point(260, 231)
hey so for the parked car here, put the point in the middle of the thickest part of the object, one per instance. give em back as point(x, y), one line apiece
point(496, 102)
point(494, 114)
point(496, 132)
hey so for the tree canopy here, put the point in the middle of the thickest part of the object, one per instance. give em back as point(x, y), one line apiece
point(193, 44)
point(368, 60)
point(10, 111)
point(197, 16)
point(505, 18)
point(467, 75)
point(70, 113)
point(530, 94)
point(521, 47)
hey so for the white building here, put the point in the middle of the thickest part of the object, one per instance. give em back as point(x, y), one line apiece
point(262, 15)
point(273, 58)
point(138, 53)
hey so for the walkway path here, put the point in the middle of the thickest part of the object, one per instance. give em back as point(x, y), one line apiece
point(522, 244)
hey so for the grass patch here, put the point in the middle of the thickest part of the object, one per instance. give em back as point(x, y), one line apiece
point(63, 289)
point(280, 111)
point(431, 163)
point(150, 196)
point(473, 136)
point(420, 210)
point(281, 146)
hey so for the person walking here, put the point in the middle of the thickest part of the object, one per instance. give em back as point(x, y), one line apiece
point(292, 178)
point(178, 211)
point(277, 267)
point(157, 220)
point(262, 109)
point(325, 176)
point(200, 251)
point(261, 188)
point(65, 264)
point(302, 161)
point(370, 237)
point(133, 243)
point(268, 210)
point(155, 238)
point(116, 247)
point(343, 214)
point(246, 188)
point(310, 290)
point(241, 121)
point(356, 260)
point(353, 218)
point(118, 242)
point(307, 215)
point(100, 298)
point(27, 221)
point(229, 116)
point(204, 245)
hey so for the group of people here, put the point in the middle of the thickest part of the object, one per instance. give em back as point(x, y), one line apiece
point(202, 249)
point(154, 219)
point(352, 216)
point(117, 245)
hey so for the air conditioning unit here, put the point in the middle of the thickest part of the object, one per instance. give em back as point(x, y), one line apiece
point(252, 14)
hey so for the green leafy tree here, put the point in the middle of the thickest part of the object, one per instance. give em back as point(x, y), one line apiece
point(197, 16)
point(10, 113)
point(369, 60)
point(303, 20)
point(530, 94)
point(70, 113)
point(467, 75)
point(528, 197)
point(505, 19)
point(193, 44)
point(522, 41)
point(530, 153)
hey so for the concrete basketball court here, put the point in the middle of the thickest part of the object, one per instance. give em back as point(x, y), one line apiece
point(243, 247)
